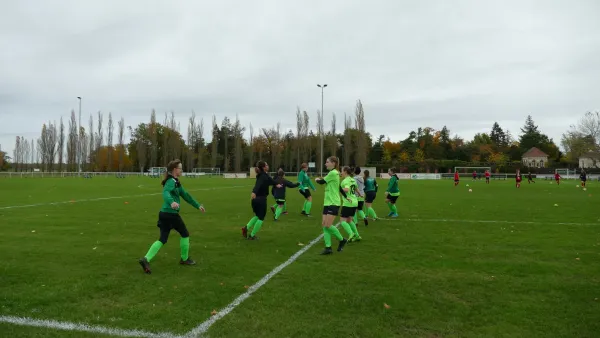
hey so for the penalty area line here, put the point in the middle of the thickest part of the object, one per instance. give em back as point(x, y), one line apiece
point(80, 327)
point(481, 221)
point(201, 329)
point(109, 198)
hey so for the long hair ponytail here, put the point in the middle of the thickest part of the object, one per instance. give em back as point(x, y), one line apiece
point(169, 173)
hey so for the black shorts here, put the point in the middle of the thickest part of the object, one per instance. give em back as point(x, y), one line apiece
point(168, 221)
point(361, 205)
point(456, 181)
point(370, 196)
point(259, 207)
point(280, 202)
point(305, 193)
point(348, 211)
point(392, 198)
point(331, 210)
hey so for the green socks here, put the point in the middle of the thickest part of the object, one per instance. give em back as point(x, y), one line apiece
point(354, 229)
point(251, 223)
point(354, 218)
point(326, 237)
point(278, 212)
point(304, 206)
point(347, 228)
point(371, 212)
point(394, 209)
point(257, 227)
point(335, 232)
point(284, 206)
point(307, 206)
point(361, 214)
point(153, 250)
point(185, 248)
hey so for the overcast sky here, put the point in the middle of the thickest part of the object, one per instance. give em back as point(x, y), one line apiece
point(464, 64)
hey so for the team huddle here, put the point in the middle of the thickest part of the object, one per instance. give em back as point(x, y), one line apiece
point(347, 190)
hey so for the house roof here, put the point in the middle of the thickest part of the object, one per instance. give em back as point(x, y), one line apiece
point(534, 152)
point(590, 154)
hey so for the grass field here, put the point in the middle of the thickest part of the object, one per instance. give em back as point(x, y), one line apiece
point(497, 262)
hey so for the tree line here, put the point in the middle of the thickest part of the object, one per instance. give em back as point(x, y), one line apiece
point(63, 147)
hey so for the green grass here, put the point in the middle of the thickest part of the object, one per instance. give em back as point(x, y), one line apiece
point(522, 275)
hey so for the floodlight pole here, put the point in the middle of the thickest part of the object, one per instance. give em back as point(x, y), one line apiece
point(321, 131)
point(79, 148)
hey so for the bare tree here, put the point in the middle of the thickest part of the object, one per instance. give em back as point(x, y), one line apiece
point(72, 143)
point(347, 139)
point(215, 142)
point(361, 142)
point(299, 129)
point(173, 142)
point(225, 129)
point(273, 137)
point(92, 144)
point(251, 147)
point(238, 134)
point(52, 140)
point(305, 139)
point(332, 141)
point(121, 135)
point(25, 155)
point(590, 125)
point(109, 142)
point(200, 143)
point(16, 152)
point(141, 152)
point(153, 140)
point(85, 149)
point(166, 136)
point(61, 145)
point(40, 153)
point(191, 142)
point(99, 141)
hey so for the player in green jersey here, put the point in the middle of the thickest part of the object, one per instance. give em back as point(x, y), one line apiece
point(279, 193)
point(331, 205)
point(392, 193)
point(305, 183)
point(169, 218)
point(371, 188)
point(360, 194)
point(349, 204)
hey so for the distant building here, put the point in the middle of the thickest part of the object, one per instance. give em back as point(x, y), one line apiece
point(535, 158)
point(589, 160)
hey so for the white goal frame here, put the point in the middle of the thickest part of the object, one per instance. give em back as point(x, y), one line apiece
point(567, 173)
point(205, 172)
point(156, 172)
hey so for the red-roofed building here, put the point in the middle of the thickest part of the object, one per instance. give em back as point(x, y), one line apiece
point(535, 158)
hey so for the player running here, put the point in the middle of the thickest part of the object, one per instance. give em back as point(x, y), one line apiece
point(360, 195)
point(349, 204)
point(487, 177)
point(583, 178)
point(392, 193)
point(279, 193)
point(169, 218)
point(518, 178)
point(331, 205)
point(259, 199)
point(557, 177)
point(371, 188)
point(530, 178)
point(456, 178)
point(305, 183)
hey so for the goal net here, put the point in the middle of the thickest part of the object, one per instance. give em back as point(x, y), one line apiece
point(157, 172)
point(205, 172)
point(567, 173)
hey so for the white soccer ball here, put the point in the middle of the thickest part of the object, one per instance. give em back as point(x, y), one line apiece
point(470, 190)
point(467, 185)
point(584, 189)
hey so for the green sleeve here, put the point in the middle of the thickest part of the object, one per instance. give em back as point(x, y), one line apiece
point(310, 183)
point(391, 184)
point(169, 186)
point(330, 176)
point(188, 198)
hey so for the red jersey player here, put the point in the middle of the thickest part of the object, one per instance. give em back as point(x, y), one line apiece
point(518, 178)
point(487, 177)
point(557, 178)
point(456, 178)
point(474, 175)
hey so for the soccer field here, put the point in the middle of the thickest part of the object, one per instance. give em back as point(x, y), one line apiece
point(496, 262)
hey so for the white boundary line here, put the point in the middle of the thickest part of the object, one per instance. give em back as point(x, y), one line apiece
point(201, 329)
point(109, 198)
point(480, 221)
point(66, 326)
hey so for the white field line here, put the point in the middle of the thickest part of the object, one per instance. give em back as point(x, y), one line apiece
point(66, 326)
point(201, 329)
point(110, 198)
point(482, 221)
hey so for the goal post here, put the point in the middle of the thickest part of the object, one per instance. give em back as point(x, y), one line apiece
point(480, 172)
point(566, 173)
point(157, 172)
point(205, 172)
